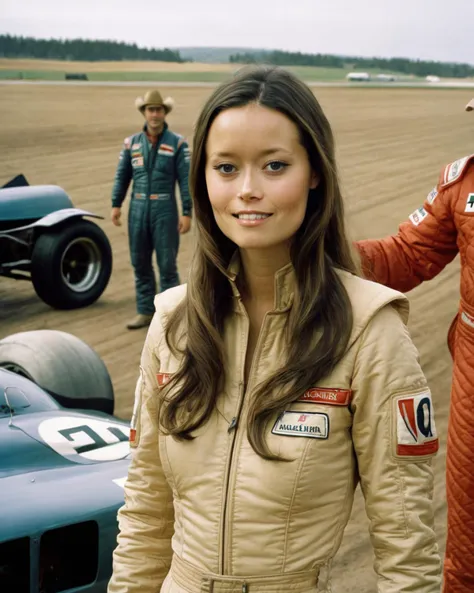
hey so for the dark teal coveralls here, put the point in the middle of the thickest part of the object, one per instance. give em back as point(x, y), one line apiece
point(153, 214)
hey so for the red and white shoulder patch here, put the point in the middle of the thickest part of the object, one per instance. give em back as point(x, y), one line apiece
point(163, 378)
point(137, 405)
point(414, 425)
point(454, 170)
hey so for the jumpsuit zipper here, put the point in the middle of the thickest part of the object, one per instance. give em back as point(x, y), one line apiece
point(152, 153)
point(151, 160)
point(234, 427)
point(233, 431)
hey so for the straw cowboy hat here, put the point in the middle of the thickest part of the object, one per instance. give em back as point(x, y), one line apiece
point(470, 105)
point(154, 98)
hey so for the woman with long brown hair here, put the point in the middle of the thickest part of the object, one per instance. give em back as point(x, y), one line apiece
point(276, 379)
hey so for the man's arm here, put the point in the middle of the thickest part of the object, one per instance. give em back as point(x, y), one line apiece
point(424, 245)
point(123, 175)
point(183, 159)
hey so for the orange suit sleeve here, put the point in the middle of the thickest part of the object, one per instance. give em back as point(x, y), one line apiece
point(423, 246)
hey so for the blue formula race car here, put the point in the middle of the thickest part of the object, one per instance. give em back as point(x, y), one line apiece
point(63, 462)
point(43, 238)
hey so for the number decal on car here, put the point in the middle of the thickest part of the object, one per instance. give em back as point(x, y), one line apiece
point(93, 440)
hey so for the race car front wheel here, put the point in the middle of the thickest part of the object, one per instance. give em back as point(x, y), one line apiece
point(71, 265)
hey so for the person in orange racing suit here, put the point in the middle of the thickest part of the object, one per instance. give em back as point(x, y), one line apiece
point(424, 245)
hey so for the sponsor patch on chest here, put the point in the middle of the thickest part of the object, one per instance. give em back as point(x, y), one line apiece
point(166, 150)
point(314, 425)
point(137, 162)
point(469, 204)
point(325, 395)
point(419, 215)
point(415, 425)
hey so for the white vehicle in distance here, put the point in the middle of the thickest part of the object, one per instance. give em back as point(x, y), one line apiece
point(358, 76)
point(386, 77)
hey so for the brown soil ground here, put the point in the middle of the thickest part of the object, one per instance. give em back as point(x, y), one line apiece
point(391, 146)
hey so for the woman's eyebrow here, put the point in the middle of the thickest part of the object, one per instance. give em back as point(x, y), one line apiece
point(266, 152)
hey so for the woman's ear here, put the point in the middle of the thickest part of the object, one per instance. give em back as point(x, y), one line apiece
point(314, 180)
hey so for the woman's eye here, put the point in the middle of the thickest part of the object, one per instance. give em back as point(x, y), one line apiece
point(276, 166)
point(226, 168)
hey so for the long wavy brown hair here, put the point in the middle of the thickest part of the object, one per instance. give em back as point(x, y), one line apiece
point(320, 321)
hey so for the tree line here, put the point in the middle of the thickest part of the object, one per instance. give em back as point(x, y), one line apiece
point(81, 50)
point(97, 50)
point(401, 65)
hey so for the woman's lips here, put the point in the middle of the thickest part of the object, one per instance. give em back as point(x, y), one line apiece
point(251, 218)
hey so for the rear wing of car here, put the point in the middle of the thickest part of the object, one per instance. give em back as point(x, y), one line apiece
point(18, 181)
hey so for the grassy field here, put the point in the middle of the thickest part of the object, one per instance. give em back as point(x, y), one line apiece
point(70, 66)
point(167, 76)
point(391, 147)
point(144, 71)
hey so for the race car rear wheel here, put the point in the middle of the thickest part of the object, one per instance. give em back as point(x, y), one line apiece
point(61, 364)
point(71, 265)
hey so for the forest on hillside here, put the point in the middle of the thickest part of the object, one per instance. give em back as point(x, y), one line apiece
point(100, 50)
point(83, 50)
point(400, 65)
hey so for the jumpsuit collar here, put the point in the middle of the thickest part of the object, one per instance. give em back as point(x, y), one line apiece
point(160, 135)
point(284, 279)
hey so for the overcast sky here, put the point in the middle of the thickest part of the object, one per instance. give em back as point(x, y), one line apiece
point(426, 29)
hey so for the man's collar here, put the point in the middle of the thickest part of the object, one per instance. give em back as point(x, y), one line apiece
point(165, 127)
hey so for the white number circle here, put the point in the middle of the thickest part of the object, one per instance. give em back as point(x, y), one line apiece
point(95, 440)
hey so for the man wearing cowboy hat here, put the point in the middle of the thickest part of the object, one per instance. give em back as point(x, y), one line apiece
point(424, 245)
point(155, 159)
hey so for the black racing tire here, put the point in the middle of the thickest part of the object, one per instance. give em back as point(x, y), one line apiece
point(71, 264)
point(61, 364)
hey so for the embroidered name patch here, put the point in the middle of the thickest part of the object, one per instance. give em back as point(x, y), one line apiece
point(469, 203)
point(324, 395)
point(415, 425)
point(419, 215)
point(163, 378)
point(302, 424)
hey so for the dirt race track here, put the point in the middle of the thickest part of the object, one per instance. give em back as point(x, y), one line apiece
point(391, 145)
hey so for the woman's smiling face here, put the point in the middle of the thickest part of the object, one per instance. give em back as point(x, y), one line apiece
point(258, 176)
